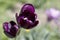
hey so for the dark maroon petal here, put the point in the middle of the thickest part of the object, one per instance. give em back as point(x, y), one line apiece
point(8, 34)
point(13, 31)
point(32, 17)
point(6, 26)
point(12, 23)
point(35, 23)
point(32, 25)
point(28, 24)
point(21, 21)
point(16, 17)
point(28, 8)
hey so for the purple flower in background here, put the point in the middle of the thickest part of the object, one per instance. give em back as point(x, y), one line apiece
point(52, 14)
point(10, 29)
point(27, 17)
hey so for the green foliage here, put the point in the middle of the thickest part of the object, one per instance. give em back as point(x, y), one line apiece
point(38, 33)
point(22, 1)
point(36, 3)
point(39, 3)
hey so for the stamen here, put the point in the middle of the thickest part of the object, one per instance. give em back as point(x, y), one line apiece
point(27, 30)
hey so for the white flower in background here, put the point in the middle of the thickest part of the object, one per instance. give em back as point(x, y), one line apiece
point(52, 14)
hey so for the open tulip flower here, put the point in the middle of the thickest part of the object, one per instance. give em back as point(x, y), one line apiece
point(27, 17)
point(10, 29)
point(52, 14)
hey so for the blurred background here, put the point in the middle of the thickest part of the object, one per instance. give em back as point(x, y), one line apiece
point(43, 31)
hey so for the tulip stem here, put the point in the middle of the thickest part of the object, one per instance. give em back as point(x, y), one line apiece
point(15, 38)
point(58, 24)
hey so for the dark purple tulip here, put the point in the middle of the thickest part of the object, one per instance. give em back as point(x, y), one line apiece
point(27, 17)
point(10, 29)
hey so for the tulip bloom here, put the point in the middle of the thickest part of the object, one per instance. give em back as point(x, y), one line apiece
point(27, 17)
point(10, 29)
point(52, 14)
